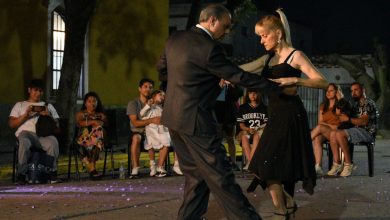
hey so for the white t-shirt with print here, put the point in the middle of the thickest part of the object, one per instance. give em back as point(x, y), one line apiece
point(29, 125)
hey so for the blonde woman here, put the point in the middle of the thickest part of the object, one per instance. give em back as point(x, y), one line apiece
point(286, 153)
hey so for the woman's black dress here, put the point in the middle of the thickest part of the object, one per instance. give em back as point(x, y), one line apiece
point(285, 151)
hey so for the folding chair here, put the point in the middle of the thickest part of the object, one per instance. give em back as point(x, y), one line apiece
point(142, 150)
point(74, 152)
point(370, 154)
point(15, 160)
point(117, 134)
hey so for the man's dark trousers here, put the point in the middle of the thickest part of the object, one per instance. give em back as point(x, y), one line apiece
point(206, 168)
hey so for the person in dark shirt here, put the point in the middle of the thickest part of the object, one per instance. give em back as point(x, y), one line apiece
point(226, 109)
point(252, 118)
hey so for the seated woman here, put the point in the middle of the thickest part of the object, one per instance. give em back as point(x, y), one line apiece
point(327, 121)
point(90, 120)
point(252, 116)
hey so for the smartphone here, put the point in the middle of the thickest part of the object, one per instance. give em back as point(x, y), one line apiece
point(37, 108)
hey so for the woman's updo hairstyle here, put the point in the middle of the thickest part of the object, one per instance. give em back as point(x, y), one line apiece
point(274, 22)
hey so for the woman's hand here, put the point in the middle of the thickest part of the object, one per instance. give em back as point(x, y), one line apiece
point(343, 117)
point(101, 116)
point(339, 93)
point(286, 81)
point(251, 130)
point(95, 123)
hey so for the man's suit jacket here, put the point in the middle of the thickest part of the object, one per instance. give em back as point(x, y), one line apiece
point(195, 63)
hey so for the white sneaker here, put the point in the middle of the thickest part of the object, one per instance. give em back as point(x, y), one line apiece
point(319, 170)
point(177, 169)
point(161, 172)
point(153, 170)
point(336, 168)
point(135, 171)
point(347, 170)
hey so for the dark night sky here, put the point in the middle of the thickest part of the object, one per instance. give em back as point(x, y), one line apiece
point(342, 26)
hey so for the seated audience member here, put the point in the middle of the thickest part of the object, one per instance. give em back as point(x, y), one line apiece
point(327, 120)
point(252, 118)
point(226, 110)
point(90, 121)
point(364, 119)
point(24, 116)
point(156, 135)
point(137, 124)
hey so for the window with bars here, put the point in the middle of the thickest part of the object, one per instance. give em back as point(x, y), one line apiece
point(57, 53)
point(58, 46)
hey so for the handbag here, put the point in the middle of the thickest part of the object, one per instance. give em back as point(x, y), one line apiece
point(45, 126)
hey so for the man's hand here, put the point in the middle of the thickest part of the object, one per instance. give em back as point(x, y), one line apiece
point(286, 81)
point(343, 117)
point(45, 111)
point(156, 120)
point(222, 83)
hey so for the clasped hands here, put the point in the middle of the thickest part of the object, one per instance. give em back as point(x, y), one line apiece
point(286, 81)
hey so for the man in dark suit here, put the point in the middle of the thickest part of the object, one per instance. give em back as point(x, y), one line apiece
point(195, 62)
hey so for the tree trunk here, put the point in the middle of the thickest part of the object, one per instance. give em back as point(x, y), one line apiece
point(77, 15)
point(379, 63)
point(357, 71)
point(378, 88)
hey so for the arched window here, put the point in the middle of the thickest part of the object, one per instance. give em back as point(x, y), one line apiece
point(57, 46)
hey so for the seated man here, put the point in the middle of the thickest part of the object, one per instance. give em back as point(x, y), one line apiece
point(364, 118)
point(24, 116)
point(137, 125)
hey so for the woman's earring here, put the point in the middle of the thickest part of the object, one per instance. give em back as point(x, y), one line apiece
point(279, 41)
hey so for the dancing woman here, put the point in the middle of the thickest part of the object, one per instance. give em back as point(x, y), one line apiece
point(286, 153)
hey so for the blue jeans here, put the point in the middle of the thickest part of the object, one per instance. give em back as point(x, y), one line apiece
point(28, 139)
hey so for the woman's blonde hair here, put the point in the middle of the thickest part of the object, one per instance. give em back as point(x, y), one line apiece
point(275, 23)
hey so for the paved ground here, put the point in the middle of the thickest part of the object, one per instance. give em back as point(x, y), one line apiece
point(355, 197)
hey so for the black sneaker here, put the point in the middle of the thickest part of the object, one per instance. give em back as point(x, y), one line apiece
point(235, 167)
point(21, 179)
